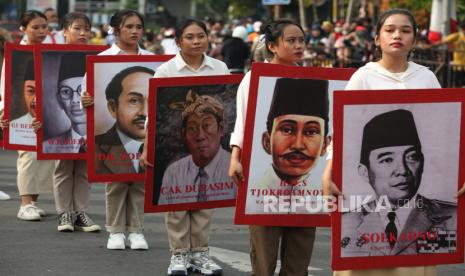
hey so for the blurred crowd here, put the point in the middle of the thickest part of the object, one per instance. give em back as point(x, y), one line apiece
point(328, 44)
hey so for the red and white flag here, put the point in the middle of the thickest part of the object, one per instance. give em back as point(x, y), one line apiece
point(438, 20)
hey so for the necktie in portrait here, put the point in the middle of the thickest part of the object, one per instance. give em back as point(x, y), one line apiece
point(201, 178)
point(391, 229)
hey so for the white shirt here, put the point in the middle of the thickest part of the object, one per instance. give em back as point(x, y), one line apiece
point(177, 67)
point(179, 180)
point(131, 146)
point(237, 137)
point(169, 46)
point(373, 76)
point(114, 50)
point(21, 131)
point(53, 37)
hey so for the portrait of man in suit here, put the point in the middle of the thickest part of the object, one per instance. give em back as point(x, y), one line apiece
point(118, 149)
point(296, 137)
point(21, 131)
point(203, 174)
point(392, 163)
point(71, 72)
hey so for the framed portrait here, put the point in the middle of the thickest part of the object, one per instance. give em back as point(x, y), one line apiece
point(191, 121)
point(399, 161)
point(116, 120)
point(60, 73)
point(288, 128)
point(20, 97)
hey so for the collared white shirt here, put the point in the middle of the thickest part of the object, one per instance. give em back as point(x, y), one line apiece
point(131, 146)
point(114, 50)
point(374, 76)
point(182, 175)
point(177, 67)
point(53, 37)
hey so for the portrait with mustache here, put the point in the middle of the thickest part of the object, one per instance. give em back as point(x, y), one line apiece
point(126, 96)
point(297, 128)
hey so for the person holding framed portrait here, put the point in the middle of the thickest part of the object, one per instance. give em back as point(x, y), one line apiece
point(396, 31)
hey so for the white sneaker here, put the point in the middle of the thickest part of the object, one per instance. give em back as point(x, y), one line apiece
point(202, 263)
point(4, 196)
point(28, 212)
point(116, 241)
point(41, 211)
point(137, 241)
point(178, 264)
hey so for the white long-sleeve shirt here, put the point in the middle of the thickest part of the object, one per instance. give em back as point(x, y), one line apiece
point(242, 98)
point(373, 76)
point(177, 67)
point(114, 50)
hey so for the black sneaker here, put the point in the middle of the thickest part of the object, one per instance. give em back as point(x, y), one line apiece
point(65, 222)
point(84, 223)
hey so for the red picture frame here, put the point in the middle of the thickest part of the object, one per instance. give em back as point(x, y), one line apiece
point(277, 71)
point(1, 130)
point(184, 83)
point(39, 51)
point(9, 49)
point(344, 103)
point(119, 61)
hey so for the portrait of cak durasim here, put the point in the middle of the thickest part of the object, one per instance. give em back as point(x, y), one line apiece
point(117, 149)
point(68, 96)
point(202, 175)
point(392, 163)
point(296, 136)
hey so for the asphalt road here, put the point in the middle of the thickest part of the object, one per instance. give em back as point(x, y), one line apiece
point(37, 248)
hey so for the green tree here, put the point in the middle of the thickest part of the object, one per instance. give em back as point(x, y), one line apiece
point(412, 5)
point(461, 10)
point(227, 8)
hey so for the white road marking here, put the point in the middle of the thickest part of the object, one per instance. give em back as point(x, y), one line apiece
point(241, 261)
